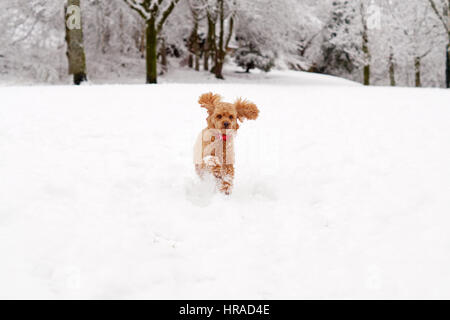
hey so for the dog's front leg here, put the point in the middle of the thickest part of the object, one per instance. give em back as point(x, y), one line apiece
point(227, 179)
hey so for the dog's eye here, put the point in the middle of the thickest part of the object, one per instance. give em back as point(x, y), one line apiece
point(231, 117)
point(219, 116)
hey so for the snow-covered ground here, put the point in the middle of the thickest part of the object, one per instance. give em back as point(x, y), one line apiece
point(341, 191)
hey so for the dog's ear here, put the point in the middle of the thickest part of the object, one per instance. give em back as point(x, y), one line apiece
point(246, 109)
point(208, 101)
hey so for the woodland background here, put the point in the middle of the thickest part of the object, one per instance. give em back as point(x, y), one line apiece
point(376, 42)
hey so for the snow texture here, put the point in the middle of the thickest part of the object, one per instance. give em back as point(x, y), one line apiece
point(340, 192)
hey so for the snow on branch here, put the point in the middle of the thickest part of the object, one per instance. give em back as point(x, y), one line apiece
point(150, 9)
point(166, 13)
point(440, 16)
point(140, 7)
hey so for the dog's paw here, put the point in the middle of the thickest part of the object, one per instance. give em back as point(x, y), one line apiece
point(211, 161)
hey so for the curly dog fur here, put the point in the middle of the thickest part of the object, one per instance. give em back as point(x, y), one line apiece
point(214, 149)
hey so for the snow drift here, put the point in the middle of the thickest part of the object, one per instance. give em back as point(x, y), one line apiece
point(340, 192)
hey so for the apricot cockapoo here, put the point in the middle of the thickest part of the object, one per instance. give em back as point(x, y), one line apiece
point(214, 149)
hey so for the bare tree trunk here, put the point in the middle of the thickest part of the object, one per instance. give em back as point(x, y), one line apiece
point(151, 51)
point(417, 67)
point(206, 58)
point(208, 44)
point(448, 66)
point(194, 45)
point(367, 75)
point(211, 47)
point(392, 70)
point(197, 60)
point(220, 54)
point(122, 28)
point(444, 18)
point(163, 53)
point(74, 40)
point(447, 18)
point(365, 46)
point(222, 47)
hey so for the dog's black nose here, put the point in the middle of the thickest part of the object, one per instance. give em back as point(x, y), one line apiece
point(226, 124)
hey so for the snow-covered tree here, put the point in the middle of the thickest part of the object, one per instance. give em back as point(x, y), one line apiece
point(341, 39)
point(442, 10)
point(32, 38)
point(74, 40)
point(155, 14)
point(248, 56)
point(413, 33)
point(221, 17)
point(197, 10)
point(364, 8)
point(383, 41)
point(177, 30)
point(274, 29)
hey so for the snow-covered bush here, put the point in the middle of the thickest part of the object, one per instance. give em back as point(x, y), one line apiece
point(341, 40)
point(250, 57)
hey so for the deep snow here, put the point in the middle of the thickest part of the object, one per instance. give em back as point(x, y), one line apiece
point(340, 192)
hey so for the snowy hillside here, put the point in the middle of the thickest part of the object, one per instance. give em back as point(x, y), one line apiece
point(340, 192)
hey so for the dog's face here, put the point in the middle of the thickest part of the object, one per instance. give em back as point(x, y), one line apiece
point(223, 115)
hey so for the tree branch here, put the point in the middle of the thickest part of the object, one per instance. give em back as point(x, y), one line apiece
point(155, 7)
point(166, 14)
point(29, 31)
point(441, 17)
point(302, 51)
point(136, 7)
point(230, 33)
point(425, 53)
